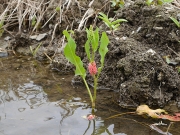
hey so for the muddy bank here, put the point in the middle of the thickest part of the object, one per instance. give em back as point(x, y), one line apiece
point(136, 65)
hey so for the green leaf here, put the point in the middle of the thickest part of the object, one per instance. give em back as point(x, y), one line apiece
point(121, 3)
point(69, 52)
point(149, 2)
point(106, 21)
point(1, 24)
point(104, 41)
point(175, 21)
point(103, 15)
point(118, 21)
point(167, 1)
point(160, 2)
point(58, 8)
point(115, 27)
point(33, 22)
point(95, 40)
point(113, 4)
point(1, 32)
point(87, 49)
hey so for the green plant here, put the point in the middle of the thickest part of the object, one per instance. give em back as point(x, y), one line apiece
point(117, 3)
point(58, 9)
point(157, 2)
point(36, 49)
point(91, 47)
point(178, 69)
point(175, 21)
point(1, 28)
point(110, 22)
point(33, 22)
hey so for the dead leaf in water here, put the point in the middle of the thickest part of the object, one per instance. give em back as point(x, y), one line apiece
point(157, 113)
point(175, 117)
point(144, 109)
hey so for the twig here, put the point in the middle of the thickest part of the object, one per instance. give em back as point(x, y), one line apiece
point(89, 12)
point(53, 33)
point(49, 19)
point(173, 51)
point(63, 45)
point(120, 115)
point(48, 57)
point(169, 127)
point(67, 7)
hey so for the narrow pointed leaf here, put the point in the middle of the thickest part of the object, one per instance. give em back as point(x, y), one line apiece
point(175, 21)
point(95, 41)
point(160, 2)
point(148, 2)
point(103, 15)
point(106, 20)
point(115, 26)
point(69, 52)
point(103, 47)
point(87, 49)
point(118, 21)
point(167, 1)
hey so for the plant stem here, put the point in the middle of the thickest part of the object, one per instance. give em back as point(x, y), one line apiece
point(95, 87)
point(89, 92)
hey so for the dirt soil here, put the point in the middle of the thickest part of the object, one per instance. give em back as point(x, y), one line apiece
point(136, 65)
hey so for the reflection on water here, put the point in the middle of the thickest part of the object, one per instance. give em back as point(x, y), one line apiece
point(34, 100)
point(25, 107)
point(32, 94)
point(26, 110)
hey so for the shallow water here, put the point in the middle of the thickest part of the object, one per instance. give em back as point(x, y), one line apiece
point(35, 100)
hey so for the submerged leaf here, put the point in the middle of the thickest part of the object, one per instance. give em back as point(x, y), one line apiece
point(175, 117)
point(154, 127)
point(158, 113)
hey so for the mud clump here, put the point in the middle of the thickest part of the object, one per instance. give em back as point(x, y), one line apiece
point(135, 64)
point(148, 78)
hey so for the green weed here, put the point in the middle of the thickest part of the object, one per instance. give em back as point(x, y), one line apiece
point(93, 43)
point(157, 2)
point(117, 3)
point(34, 52)
point(110, 22)
point(175, 21)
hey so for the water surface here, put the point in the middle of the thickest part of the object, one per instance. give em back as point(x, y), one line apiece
point(36, 100)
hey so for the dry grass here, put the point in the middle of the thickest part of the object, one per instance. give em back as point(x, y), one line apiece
point(29, 13)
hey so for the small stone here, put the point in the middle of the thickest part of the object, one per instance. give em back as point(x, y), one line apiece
point(151, 51)
point(77, 99)
point(38, 37)
point(7, 38)
point(33, 37)
point(3, 53)
point(41, 36)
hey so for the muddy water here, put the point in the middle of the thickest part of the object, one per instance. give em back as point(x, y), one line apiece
point(39, 101)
